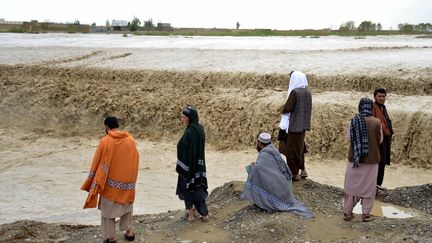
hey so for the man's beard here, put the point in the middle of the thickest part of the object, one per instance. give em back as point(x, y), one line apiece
point(258, 148)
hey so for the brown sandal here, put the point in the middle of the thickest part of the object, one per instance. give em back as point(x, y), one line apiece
point(303, 174)
point(366, 218)
point(348, 217)
point(296, 178)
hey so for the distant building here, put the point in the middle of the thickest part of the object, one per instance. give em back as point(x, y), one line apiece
point(98, 29)
point(164, 26)
point(36, 26)
point(119, 24)
point(9, 25)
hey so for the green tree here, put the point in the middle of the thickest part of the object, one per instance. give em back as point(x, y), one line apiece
point(347, 26)
point(406, 28)
point(134, 24)
point(148, 25)
point(379, 27)
point(367, 26)
point(423, 27)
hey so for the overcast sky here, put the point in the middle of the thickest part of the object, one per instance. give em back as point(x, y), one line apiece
point(273, 14)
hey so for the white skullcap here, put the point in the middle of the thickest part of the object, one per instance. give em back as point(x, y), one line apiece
point(264, 138)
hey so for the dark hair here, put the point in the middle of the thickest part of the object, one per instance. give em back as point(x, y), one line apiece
point(380, 90)
point(111, 122)
point(291, 73)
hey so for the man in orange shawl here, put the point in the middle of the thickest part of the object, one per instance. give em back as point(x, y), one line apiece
point(113, 175)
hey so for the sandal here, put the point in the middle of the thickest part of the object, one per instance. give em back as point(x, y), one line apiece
point(129, 238)
point(366, 218)
point(296, 178)
point(348, 217)
point(381, 188)
point(205, 218)
point(381, 193)
point(303, 174)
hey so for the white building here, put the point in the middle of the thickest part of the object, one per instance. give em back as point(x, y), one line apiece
point(118, 24)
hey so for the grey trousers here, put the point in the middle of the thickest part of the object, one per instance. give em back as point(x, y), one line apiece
point(111, 210)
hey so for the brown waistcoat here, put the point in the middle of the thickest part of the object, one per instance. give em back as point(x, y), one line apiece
point(300, 118)
point(373, 125)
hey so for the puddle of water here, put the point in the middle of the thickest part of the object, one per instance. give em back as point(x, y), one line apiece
point(381, 209)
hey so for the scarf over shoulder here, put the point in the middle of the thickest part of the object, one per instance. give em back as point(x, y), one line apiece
point(380, 112)
point(114, 170)
point(359, 131)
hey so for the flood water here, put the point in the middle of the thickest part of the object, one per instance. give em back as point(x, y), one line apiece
point(329, 55)
point(200, 42)
point(381, 209)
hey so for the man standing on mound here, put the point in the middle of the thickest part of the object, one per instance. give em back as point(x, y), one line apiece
point(113, 175)
point(269, 184)
point(364, 135)
point(379, 111)
point(295, 121)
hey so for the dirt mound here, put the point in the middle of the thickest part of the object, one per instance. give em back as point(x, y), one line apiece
point(233, 107)
point(418, 197)
point(235, 220)
point(32, 231)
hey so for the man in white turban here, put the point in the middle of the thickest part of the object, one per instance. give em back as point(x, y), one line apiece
point(295, 121)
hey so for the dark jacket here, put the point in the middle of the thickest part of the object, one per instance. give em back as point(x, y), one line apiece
point(191, 166)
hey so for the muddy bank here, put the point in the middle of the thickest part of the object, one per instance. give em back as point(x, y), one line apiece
point(235, 220)
point(233, 107)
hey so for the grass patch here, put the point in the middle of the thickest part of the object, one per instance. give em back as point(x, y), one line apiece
point(267, 32)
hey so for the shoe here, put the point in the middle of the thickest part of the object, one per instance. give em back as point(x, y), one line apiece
point(381, 188)
point(366, 218)
point(348, 217)
point(130, 238)
point(303, 174)
point(296, 178)
point(381, 193)
point(205, 218)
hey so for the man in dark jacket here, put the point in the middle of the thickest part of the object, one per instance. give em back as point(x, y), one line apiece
point(379, 111)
